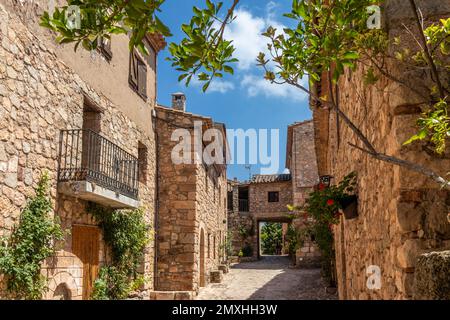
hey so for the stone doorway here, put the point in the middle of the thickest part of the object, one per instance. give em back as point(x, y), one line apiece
point(202, 259)
point(279, 247)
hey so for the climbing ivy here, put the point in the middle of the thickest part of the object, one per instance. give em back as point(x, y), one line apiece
point(31, 242)
point(127, 234)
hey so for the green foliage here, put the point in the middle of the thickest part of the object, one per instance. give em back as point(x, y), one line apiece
point(245, 232)
point(32, 241)
point(294, 239)
point(436, 125)
point(203, 51)
point(104, 18)
point(325, 38)
point(227, 246)
point(323, 205)
point(272, 238)
point(127, 234)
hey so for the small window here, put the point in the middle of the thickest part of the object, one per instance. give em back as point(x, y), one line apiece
point(138, 75)
point(230, 200)
point(209, 245)
point(104, 47)
point(274, 196)
point(142, 162)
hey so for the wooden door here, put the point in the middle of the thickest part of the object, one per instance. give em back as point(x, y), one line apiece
point(85, 245)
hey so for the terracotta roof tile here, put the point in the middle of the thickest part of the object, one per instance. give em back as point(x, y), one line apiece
point(267, 178)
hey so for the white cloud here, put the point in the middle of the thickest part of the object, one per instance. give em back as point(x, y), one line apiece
point(221, 86)
point(246, 30)
point(217, 85)
point(246, 33)
point(257, 86)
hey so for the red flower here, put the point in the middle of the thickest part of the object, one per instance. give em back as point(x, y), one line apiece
point(321, 186)
point(330, 202)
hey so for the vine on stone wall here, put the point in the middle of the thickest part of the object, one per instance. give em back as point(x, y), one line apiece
point(323, 210)
point(127, 234)
point(31, 242)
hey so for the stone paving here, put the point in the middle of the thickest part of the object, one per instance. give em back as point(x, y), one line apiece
point(271, 278)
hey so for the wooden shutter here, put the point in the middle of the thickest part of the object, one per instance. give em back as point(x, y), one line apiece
point(142, 77)
point(104, 47)
point(133, 78)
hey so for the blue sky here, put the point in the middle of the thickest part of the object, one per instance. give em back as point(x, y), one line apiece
point(244, 100)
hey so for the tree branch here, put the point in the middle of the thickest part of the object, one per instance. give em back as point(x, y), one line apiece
point(406, 164)
point(426, 50)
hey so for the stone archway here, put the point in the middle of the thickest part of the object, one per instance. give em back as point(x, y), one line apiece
point(202, 259)
point(62, 292)
point(65, 275)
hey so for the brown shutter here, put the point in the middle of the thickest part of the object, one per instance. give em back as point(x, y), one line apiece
point(133, 79)
point(107, 48)
point(104, 47)
point(142, 77)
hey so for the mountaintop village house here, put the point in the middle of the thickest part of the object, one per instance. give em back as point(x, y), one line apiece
point(92, 121)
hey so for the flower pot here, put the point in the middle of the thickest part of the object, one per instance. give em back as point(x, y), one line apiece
point(350, 207)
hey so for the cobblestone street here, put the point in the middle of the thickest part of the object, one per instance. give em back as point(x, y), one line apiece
point(271, 278)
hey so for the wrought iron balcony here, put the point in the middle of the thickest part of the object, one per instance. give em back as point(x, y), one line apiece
point(110, 172)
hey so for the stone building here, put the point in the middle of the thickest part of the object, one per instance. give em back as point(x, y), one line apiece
point(301, 162)
point(192, 216)
point(401, 214)
point(87, 118)
point(266, 197)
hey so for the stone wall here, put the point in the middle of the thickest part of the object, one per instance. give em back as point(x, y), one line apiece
point(40, 95)
point(261, 208)
point(238, 220)
point(401, 214)
point(301, 160)
point(192, 201)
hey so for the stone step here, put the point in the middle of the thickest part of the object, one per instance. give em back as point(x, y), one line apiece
point(216, 276)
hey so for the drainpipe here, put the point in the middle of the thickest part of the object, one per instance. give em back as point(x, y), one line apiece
point(156, 215)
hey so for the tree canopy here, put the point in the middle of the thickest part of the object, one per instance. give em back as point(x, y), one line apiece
point(329, 37)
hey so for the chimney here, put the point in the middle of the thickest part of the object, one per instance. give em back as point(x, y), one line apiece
point(179, 101)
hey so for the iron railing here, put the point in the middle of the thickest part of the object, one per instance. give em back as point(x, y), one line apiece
point(85, 155)
point(243, 205)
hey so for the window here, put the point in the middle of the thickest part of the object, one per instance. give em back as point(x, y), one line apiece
point(209, 245)
point(104, 47)
point(230, 200)
point(142, 162)
point(138, 75)
point(274, 196)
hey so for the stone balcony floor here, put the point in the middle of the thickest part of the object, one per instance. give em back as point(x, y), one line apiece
point(270, 278)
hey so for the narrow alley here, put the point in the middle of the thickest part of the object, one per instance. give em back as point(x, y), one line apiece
point(270, 278)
